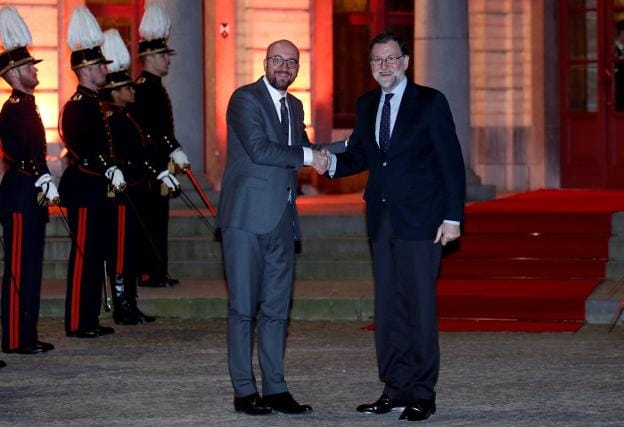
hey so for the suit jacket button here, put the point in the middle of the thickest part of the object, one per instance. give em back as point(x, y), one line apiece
point(384, 164)
point(383, 200)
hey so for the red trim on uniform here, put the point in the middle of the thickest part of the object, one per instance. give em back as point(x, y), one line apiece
point(121, 238)
point(16, 273)
point(78, 267)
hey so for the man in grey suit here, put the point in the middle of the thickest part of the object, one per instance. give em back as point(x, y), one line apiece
point(267, 145)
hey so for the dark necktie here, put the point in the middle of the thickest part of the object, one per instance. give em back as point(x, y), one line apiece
point(384, 125)
point(284, 120)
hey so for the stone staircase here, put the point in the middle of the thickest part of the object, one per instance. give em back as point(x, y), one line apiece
point(334, 247)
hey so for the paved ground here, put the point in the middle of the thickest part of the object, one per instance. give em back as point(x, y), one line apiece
point(174, 373)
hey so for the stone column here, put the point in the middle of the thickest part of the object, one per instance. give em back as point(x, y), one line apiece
point(441, 60)
point(185, 82)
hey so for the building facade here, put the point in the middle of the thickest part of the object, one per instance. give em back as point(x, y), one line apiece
point(532, 83)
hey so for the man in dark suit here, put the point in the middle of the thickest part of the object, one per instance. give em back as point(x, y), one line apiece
point(405, 137)
point(267, 144)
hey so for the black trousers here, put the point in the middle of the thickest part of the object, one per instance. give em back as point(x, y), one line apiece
point(126, 235)
point(91, 246)
point(406, 333)
point(154, 246)
point(24, 234)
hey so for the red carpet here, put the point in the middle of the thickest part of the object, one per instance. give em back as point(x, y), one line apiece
point(528, 262)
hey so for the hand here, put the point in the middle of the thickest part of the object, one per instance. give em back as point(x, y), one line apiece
point(115, 176)
point(447, 233)
point(49, 193)
point(170, 181)
point(180, 158)
point(321, 161)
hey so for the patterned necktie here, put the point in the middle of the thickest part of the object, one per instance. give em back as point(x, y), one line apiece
point(284, 120)
point(384, 125)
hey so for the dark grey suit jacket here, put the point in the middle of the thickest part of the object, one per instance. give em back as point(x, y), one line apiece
point(261, 171)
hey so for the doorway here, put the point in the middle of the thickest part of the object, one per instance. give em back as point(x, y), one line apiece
point(592, 93)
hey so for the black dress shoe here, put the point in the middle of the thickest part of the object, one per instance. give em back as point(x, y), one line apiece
point(104, 330)
point(418, 410)
point(45, 346)
point(91, 333)
point(383, 405)
point(27, 349)
point(142, 317)
point(153, 283)
point(251, 405)
point(2, 364)
point(82, 333)
point(284, 403)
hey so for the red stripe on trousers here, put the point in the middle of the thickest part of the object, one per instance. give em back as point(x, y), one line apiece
point(16, 272)
point(121, 238)
point(78, 266)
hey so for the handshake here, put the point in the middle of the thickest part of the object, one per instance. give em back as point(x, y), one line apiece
point(321, 160)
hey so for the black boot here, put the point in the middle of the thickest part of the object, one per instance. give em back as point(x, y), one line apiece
point(122, 310)
point(132, 293)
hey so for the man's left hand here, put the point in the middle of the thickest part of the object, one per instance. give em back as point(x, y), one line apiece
point(447, 233)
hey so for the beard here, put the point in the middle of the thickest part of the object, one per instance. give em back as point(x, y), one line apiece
point(279, 84)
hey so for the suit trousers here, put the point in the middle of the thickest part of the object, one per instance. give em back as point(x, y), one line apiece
point(406, 328)
point(24, 234)
point(260, 273)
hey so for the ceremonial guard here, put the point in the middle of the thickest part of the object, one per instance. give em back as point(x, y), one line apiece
point(152, 110)
point(89, 179)
point(26, 190)
point(129, 153)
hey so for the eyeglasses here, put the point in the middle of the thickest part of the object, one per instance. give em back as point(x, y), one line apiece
point(278, 61)
point(389, 60)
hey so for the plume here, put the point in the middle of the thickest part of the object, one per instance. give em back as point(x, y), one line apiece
point(114, 49)
point(84, 31)
point(13, 30)
point(155, 23)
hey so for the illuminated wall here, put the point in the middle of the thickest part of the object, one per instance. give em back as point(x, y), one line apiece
point(261, 22)
point(506, 73)
point(42, 19)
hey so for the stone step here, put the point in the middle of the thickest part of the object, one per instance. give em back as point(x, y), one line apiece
point(312, 300)
point(207, 299)
point(205, 248)
point(306, 269)
point(185, 223)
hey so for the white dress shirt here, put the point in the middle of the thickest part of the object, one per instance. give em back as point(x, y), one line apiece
point(276, 96)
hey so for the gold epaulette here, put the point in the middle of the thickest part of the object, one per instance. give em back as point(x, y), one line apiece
point(109, 113)
point(77, 97)
point(14, 100)
point(141, 80)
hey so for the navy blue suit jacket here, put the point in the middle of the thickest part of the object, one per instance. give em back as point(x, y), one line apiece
point(421, 178)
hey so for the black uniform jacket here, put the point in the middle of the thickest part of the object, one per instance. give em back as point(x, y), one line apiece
point(24, 146)
point(128, 147)
point(152, 110)
point(421, 178)
point(87, 136)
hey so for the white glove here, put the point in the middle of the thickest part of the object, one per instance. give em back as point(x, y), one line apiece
point(50, 195)
point(116, 178)
point(169, 180)
point(179, 158)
